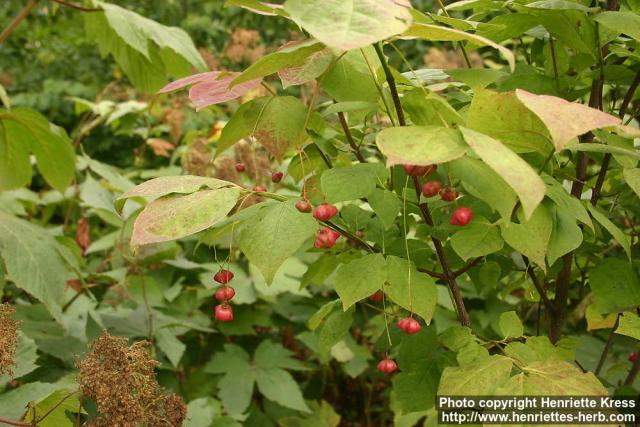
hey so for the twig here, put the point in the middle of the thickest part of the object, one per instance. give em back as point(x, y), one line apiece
point(17, 20)
point(633, 372)
point(15, 423)
point(543, 295)
point(607, 157)
point(347, 133)
point(463, 316)
point(607, 346)
point(468, 267)
point(76, 6)
point(432, 273)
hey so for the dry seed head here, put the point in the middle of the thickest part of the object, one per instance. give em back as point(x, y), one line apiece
point(255, 158)
point(121, 379)
point(8, 339)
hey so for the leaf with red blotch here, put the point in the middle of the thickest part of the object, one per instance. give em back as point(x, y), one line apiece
point(211, 88)
point(565, 120)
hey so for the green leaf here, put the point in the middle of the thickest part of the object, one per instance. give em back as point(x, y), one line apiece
point(511, 167)
point(346, 107)
point(33, 261)
point(56, 406)
point(201, 412)
point(348, 183)
point(236, 386)
point(289, 55)
point(350, 79)
point(629, 325)
point(279, 386)
point(618, 235)
point(480, 379)
point(386, 205)
point(175, 216)
point(553, 378)
point(566, 235)
point(615, 286)
point(314, 66)
point(503, 117)
point(531, 237)
point(333, 331)
point(23, 131)
point(274, 235)
point(620, 22)
point(410, 289)
point(565, 120)
point(566, 202)
point(510, 325)
point(319, 316)
point(350, 24)
point(277, 123)
point(323, 416)
point(148, 52)
point(482, 182)
point(15, 401)
point(420, 145)
point(440, 33)
point(602, 148)
point(537, 349)
point(477, 239)
point(429, 109)
point(270, 355)
point(632, 177)
point(170, 345)
point(26, 357)
point(360, 278)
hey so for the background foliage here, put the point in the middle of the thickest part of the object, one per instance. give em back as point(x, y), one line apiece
point(119, 202)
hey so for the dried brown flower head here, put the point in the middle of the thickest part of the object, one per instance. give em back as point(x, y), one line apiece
point(255, 159)
point(121, 379)
point(196, 160)
point(244, 46)
point(8, 339)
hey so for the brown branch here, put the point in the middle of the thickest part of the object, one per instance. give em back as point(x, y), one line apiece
point(468, 267)
point(463, 316)
point(607, 157)
point(543, 294)
point(607, 346)
point(352, 143)
point(633, 372)
point(76, 6)
point(432, 273)
point(17, 20)
point(15, 423)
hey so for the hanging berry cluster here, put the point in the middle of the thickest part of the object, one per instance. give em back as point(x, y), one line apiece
point(224, 294)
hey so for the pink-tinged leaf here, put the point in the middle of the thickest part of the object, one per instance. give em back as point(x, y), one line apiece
point(565, 120)
point(176, 216)
point(211, 88)
point(187, 81)
point(214, 92)
point(313, 67)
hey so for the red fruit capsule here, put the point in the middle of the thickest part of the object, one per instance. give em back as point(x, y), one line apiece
point(260, 189)
point(633, 357)
point(224, 313)
point(431, 188)
point(225, 293)
point(416, 170)
point(411, 325)
point(448, 194)
point(377, 296)
point(461, 216)
point(402, 324)
point(326, 238)
point(240, 167)
point(304, 206)
point(325, 212)
point(223, 276)
point(387, 366)
point(276, 177)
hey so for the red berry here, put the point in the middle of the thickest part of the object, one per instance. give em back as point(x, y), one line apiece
point(387, 366)
point(409, 325)
point(448, 194)
point(276, 176)
point(304, 206)
point(325, 212)
point(223, 276)
point(326, 238)
point(225, 293)
point(633, 357)
point(260, 189)
point(461, 216)
point(416, 170)
point(224, 313)
point(377, 296)
point(431, 188)
point(240, 167)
